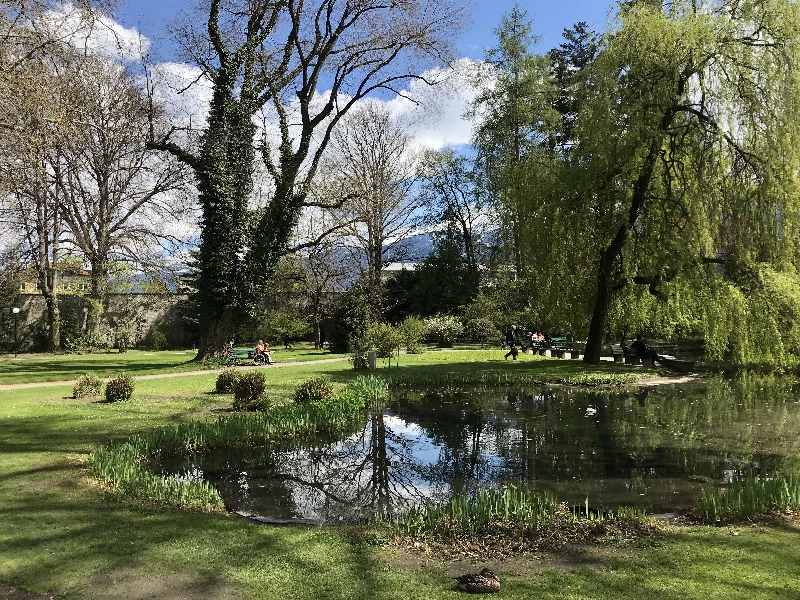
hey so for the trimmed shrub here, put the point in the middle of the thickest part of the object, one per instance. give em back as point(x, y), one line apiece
point(88, 386)
point(249, 391)
point(120, 389)
point(314, 390)
point(226, 381)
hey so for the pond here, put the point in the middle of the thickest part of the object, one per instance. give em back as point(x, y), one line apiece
point(653, 448)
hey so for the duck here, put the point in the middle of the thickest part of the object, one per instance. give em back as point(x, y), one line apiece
point(485, 582)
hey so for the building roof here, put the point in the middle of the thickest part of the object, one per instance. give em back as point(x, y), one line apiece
point(394, 267)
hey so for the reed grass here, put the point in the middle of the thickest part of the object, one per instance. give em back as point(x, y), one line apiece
point(123, 466)
point(506, 510)
point(749, 498)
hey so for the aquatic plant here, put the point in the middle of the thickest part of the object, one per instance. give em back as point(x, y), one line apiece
point(749, 498)
point(88, 386)
point(370, 390)
point(514, 516)
point(121, 468)
point(120, 389)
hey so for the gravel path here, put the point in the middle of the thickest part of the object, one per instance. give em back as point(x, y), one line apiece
point(49, 384)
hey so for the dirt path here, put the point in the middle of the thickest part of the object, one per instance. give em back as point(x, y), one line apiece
point(667, 380)
point(48, 384)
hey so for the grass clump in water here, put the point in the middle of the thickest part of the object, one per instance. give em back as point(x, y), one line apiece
point(512, 519)
point(123, 466)
point(749, 498)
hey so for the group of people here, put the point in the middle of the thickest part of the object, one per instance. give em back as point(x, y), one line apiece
point(529, 339)
point(263, 349)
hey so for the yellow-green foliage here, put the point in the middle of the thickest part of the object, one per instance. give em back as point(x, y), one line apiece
point(753, 322)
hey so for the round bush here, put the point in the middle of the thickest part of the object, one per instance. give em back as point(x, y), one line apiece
point(227, 380)
point(120, 389)
point(314, 390)
point(248, 393)
point(88, 386)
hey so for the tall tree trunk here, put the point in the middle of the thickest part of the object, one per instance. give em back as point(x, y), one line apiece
point(97, 298)
point(53, 323)
point(606, 285)
point(216, 334)
point(602, 303)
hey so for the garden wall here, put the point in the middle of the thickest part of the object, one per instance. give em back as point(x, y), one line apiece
point(160, 319)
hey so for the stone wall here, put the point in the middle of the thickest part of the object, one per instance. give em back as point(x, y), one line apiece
point(163, 313)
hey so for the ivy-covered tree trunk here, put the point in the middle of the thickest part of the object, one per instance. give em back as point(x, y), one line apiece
point(53, 324)
point(225, 183)
point(96, 298)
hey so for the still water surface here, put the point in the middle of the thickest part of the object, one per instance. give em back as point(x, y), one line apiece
point(650, 448)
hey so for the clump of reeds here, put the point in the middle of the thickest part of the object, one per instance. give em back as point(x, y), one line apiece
point(370, 390)
point(507, 507)
point(121, 468)
point(749, 498)
point(516, 517)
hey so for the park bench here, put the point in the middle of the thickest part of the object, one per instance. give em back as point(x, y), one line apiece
point(237, 355)
point(565, 347)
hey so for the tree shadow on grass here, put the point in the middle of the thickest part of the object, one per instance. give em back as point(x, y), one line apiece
point(89, 548)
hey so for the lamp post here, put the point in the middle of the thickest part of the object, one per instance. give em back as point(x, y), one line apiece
point(15, 311)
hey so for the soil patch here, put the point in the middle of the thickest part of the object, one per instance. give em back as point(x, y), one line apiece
point(130, 584)
point(10, 593)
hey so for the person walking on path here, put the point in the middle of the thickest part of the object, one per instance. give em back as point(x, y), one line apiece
point(511, 340)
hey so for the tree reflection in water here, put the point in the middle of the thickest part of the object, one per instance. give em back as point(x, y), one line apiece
point(651, 447)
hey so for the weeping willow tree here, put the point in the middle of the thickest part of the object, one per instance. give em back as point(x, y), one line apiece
point(680, 187)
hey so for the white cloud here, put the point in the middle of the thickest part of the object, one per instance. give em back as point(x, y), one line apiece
point(184, 93)
point(99, 35)
point(437, 119)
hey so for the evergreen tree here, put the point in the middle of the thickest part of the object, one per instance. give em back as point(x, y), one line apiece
point(515, 110)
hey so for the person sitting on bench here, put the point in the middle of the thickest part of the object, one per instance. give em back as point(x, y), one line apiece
point(641, 350)
point(262, 348)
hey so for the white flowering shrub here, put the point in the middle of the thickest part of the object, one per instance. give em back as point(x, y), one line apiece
point(444, 329)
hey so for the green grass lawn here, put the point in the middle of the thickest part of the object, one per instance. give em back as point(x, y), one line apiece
point(31, 368)
point(59, 533)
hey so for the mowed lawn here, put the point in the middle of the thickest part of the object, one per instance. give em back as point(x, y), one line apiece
point(31, 368)
point(60, 534)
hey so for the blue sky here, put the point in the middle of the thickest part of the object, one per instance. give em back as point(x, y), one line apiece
point(152, 17)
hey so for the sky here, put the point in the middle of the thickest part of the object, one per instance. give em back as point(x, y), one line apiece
point(550, 17)
point(441, 123)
